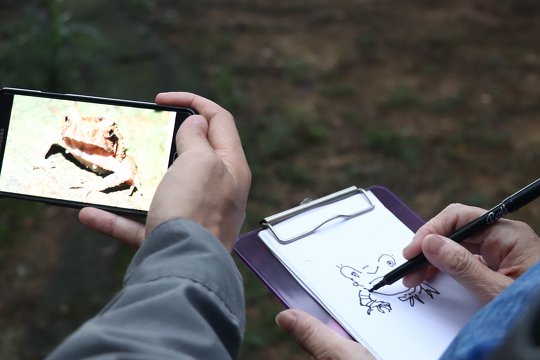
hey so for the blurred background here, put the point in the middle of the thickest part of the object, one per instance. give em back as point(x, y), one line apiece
point(437, 100)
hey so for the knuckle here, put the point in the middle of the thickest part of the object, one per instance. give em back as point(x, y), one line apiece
point(228, 114)
point(460, 262)
point(206, 159)
point(453, 207)
point(523, 227)
point(248, 175)
point(197, 116)
point(307, 334)
point(310, 339)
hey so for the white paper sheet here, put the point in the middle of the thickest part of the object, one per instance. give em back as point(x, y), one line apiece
point(343, 259)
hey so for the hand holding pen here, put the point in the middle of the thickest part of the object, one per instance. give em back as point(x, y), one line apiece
point(485, 263)
point(504, 249)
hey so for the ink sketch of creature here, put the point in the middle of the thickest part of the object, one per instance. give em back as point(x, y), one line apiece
point(367, 276)
point(97, 145)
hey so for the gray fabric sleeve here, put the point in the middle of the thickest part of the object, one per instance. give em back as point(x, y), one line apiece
point(182, 299)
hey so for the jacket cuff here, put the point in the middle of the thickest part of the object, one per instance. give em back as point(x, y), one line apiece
point(183, 248)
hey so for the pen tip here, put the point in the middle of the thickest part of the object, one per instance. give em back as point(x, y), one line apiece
point(377, 286)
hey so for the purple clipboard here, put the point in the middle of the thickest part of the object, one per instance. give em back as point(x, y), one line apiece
point(254, 253)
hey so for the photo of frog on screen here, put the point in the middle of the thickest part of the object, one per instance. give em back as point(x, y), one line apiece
point(86, 153)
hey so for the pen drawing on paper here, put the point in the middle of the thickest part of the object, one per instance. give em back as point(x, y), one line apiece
point(338, 265)
point(379, 300)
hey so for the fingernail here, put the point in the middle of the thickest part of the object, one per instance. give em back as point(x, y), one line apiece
point(433, 244)
point(405, 250)
point(200, 121)
point(286, 319)
point(409, 245)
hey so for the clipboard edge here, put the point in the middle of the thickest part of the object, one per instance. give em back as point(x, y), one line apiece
point(258, 258)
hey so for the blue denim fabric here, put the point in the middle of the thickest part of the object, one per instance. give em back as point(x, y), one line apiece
point(486, 330)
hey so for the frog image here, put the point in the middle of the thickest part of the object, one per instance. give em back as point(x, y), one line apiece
point(96, 143)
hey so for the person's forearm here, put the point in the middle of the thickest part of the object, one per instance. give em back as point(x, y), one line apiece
point(182, 297)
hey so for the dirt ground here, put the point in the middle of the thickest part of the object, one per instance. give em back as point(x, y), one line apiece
point(436, 100)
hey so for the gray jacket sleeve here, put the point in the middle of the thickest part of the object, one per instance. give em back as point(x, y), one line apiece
point(182, 299)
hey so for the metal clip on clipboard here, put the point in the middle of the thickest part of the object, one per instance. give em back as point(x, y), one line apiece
point(271, 221)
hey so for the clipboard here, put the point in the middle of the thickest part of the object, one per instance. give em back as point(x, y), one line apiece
point(256, 255)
